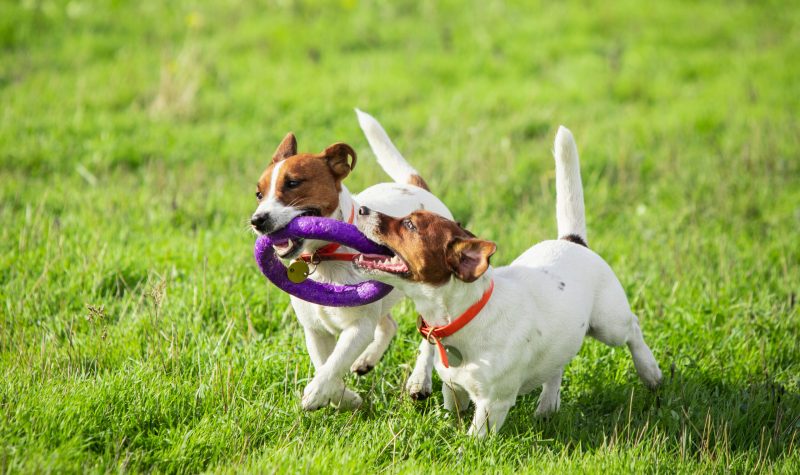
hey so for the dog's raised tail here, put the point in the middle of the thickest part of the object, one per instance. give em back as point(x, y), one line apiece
point(570, 212)
point(389, 158)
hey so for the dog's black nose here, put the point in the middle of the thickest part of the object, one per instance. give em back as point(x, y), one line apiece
point(261, 222)
point(364, 211)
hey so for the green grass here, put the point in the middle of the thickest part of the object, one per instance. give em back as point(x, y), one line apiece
point(136, 333)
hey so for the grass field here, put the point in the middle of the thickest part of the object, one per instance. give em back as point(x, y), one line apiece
point(136, 333)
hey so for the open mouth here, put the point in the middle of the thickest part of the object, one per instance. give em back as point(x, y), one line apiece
point(286, 247)
point(377, 262)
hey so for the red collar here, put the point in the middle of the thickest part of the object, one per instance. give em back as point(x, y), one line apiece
point(437, 333)
point(327, 252)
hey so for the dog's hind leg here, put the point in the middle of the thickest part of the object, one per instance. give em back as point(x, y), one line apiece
point(643, 359)
point(614, 324)
point(550, 399)
point(384, 333)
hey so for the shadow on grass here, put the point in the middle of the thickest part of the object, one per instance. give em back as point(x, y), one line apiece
point(690, 415)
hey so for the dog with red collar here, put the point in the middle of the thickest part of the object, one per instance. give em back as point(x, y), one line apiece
point(503, 332)
point(305, 184)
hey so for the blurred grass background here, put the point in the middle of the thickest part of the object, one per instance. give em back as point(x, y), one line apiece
point(137, 334)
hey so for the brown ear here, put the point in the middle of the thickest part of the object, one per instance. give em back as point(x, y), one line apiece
point(468, 258)
point(337, 157)
point(287, 148)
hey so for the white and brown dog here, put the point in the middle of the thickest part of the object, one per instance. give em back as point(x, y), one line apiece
point(297, 184)
point(508, 330)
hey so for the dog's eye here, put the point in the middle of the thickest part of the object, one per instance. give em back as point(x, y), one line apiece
point(291, 184)
point(259, 196)
point(409, 225)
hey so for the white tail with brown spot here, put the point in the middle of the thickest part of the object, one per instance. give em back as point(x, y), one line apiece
point(570, 213)
point(389, 158)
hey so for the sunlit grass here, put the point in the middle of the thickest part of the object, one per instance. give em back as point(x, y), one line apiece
point(137, 334)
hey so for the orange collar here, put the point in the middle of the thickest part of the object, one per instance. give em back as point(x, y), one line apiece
point(437, 333)
point(327, 252)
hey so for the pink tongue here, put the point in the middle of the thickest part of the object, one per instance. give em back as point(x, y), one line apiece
point(281, 243)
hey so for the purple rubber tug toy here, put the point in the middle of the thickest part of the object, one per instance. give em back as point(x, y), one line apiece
point(325, 229)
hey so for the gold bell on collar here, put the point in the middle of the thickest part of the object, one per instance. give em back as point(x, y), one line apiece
point(297, 271)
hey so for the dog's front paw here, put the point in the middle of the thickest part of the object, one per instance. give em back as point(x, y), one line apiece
point(478, 432)
point(546, 409)
point(419, 388)
point(363, 365)
point(349, 401)
point(319, 393)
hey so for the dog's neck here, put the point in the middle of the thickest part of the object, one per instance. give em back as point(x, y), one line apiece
point(443, 304)
point(340, 271)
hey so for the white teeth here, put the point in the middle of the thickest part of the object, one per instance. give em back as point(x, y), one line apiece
point(284, 247)
point(392, 264)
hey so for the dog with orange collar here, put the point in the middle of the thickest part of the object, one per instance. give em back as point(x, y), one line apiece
point(503, 332)
point(307, 184)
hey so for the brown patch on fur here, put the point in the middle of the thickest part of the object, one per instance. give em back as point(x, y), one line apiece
point(417, 180)
point(434, 248)
point(337, 157)
point(318, 177)
point(469, 258)
point(576, 239)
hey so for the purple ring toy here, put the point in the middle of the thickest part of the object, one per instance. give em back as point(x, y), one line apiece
point(325, 229)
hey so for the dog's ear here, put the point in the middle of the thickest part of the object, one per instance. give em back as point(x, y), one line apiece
point(469, 233)
point(338, 156)
point(468, 258)
point(287, 148)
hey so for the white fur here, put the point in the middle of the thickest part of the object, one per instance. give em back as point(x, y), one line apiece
point(273, 180)
point(387, 154)
point(278, 212)
point(570, 213)
point(364, 332)
point(543, 305)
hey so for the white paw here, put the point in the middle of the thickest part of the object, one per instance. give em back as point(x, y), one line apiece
point(320, 392)
point(651, 375)
point(363, 364)
point(419, 387)
point(546, 408)
point(349, 401)
point(478, 432)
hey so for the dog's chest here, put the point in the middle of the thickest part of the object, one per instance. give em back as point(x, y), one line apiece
point(476, 380)
point(514, 344)
point(333, 320)
point(336, 319)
